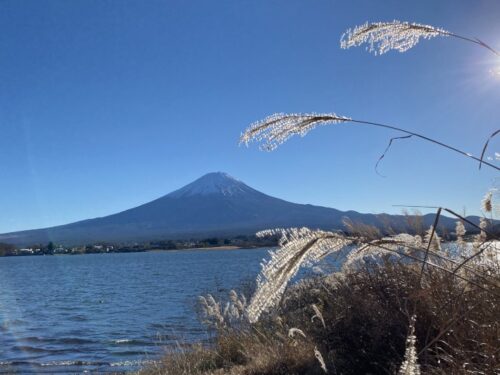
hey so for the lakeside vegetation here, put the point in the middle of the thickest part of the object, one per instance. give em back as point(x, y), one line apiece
point(358, 322)
point(240, 241)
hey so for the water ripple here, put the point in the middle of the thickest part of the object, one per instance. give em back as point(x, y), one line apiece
point(112, 312)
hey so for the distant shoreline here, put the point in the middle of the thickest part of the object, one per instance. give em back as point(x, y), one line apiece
point(121, 251)
point(227, 247)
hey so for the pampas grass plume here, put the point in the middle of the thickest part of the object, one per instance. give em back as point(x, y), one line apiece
point(382, 37)
point(410, 365)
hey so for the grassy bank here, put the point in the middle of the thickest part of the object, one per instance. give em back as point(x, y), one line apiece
point(359, 325)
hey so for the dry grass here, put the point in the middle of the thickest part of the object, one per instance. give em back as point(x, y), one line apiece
point(249, 352)
point(366, 314)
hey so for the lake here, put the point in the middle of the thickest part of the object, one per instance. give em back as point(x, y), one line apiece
point(108, 312)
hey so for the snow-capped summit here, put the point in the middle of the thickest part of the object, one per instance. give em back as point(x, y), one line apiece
point(212, 183)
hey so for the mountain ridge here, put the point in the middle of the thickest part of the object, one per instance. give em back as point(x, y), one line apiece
point(215, 204)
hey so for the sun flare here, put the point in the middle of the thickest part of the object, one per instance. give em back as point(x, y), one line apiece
point(495, 72)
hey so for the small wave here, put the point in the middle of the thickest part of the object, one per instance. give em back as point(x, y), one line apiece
point(132, 363)
point(62, 340)
point(132, 353)
point(53, 363)
point(74, 363)
point(74, 341)
point(32, 349)
point(16, 363)
point(5, 363)
point(132, 342)
point(122, 341)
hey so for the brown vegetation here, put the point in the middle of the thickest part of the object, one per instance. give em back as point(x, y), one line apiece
point(366, 314)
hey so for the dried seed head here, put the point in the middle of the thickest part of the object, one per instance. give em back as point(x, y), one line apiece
point(317, 315)
point(460, 229)
point(460, 232)
point(393, 246)
point(435, 241)
point(320, 359)
point(410, 365)
point(382, 37)
point(278, 128)
point(293, 331)
point(486, 203)
point(298, 247)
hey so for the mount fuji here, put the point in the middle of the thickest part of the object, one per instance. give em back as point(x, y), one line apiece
point(216, 204)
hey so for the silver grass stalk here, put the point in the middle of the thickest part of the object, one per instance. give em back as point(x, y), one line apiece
point(400, 36)
point(278, 128)
point(317, 315)
point(237, 302)
point(410, 364)
point(460, 232)
point(483, 224)
point(212, 312)
point(480, 239)
point(297, 247)
point(382, 37)
point(378, 248)
point(293, 331)
point(486, 203)
point(320, 359)
point(213, 315)
point(435, 241)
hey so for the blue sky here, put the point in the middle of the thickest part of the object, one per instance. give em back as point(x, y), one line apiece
point(105, 105)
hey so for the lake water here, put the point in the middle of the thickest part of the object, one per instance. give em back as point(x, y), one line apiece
point(108, 312)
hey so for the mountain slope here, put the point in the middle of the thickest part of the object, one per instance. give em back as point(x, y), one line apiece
point(215, 204)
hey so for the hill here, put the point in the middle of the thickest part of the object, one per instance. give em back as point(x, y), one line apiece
point(216, 204)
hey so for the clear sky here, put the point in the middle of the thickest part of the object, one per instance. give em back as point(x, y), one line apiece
point(105, 105)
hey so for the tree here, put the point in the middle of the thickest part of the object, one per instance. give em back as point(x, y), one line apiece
point(6, 249)
point(50, 248)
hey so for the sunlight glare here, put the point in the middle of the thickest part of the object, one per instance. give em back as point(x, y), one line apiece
point(495, 72)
